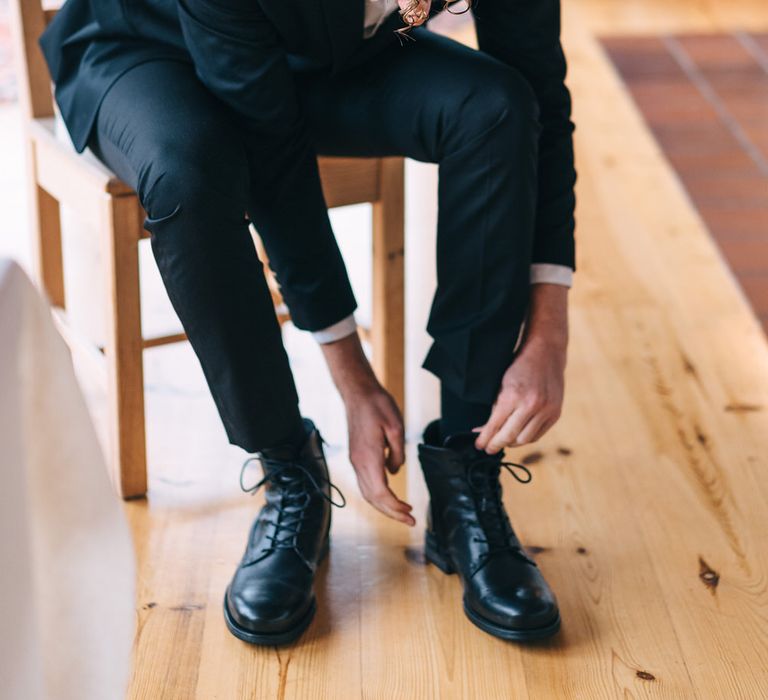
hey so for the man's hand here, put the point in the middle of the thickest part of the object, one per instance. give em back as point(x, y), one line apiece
point(377, 445)
point(530, 399)
point(376, 434)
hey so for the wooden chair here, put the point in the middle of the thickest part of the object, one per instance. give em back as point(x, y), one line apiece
point(59, 176)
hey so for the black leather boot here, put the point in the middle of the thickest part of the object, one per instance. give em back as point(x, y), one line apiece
point(270, 599)
point(469, 533)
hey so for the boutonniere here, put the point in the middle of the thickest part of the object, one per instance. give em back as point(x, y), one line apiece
point(416, 12)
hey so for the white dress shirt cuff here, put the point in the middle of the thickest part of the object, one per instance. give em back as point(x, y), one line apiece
point(547, 273)
point(341, 329)
point(540, 273)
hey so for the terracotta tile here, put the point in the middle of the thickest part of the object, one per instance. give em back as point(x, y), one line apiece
point(756, 289)
point(737, 221)
point(695, 138)
point(720, 53)
point(762, 42)
point(723, 180)
point(729, 191)
point(735, 163)
point(748, 83)
point(746, 255)
point(747, 108)
point(640, 58)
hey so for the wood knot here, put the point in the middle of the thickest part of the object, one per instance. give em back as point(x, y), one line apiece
point(565, 451)
point(708, 576)
point(743, 407)
point(645, 675)
point(188, 607)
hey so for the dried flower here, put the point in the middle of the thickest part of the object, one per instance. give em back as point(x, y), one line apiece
point(416, 12)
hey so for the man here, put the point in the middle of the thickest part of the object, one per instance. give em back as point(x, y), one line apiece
point(215, 108)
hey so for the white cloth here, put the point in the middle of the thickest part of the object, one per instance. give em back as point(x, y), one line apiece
point(66, 562)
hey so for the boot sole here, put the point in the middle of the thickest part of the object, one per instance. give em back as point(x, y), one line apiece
point(275, 638)
point(434, 555)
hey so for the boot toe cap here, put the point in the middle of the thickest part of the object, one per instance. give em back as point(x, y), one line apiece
point(518, 608)
point(271, 611)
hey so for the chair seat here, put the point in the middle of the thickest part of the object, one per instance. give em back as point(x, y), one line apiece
point(51, 145)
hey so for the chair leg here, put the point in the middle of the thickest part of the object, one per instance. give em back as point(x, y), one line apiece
point(46, 225)
point(124, 348)
point(281, 310)
point(388, 331)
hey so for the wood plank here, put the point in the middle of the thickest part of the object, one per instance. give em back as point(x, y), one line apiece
point(388, 329)
point(27, 24)
point(388, 323)
point(45, 230)
point(124, 346)
point(349, 180)
point(49, 255)
point(652, 337)
point(74, 179)
point(660, 16)
point(159, 340)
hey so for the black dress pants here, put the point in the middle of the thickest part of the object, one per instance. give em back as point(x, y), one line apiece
point(197, 174)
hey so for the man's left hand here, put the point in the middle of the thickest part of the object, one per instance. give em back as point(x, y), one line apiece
point(530, 398)
point(529, 401)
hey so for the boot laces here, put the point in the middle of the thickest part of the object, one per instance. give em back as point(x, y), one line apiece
point(483, 477)
point(297, 485)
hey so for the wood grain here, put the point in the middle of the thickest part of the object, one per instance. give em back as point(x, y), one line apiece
point(123, 347)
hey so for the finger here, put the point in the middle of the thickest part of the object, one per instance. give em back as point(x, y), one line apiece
point(498, 415)
point(395, 436)
point(398, 515)
point(508, 432)
point(391, 506)
point(376, 490)
point(531, 429)
point(543, 430)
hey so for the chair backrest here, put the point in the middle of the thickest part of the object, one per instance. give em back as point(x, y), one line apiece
point(28, 21)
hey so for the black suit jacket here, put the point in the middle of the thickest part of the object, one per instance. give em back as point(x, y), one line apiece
point(245, 52)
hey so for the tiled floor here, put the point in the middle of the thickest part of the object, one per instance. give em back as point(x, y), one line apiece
point(705, 98)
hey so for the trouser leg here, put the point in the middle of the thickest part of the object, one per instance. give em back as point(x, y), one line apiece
point(435, 100)
point(163, 133)
point(457, 415)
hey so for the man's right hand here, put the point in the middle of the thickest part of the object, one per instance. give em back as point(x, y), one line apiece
point(377, 445)
point(375, 425)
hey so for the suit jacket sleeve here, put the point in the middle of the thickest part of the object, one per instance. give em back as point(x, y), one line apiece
point(525, 34)
point(238, 56)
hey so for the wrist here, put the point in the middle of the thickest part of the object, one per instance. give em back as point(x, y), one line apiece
point(554, 339)
point(357, 384)
point(547, 321)
point(350, 370)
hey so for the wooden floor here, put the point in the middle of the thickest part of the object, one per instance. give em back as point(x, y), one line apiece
point(648, 511)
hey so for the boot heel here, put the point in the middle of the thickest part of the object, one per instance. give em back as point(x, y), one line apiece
point(435, 555)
